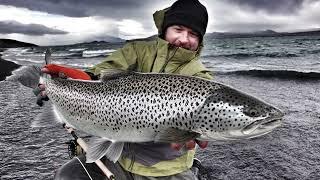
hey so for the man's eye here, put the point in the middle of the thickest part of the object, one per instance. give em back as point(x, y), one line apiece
point(193, 34)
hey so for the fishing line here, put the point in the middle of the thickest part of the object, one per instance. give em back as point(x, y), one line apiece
point(84, 146)
point(84, 168)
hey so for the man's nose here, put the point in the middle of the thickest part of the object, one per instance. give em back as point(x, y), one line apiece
point(183, 38)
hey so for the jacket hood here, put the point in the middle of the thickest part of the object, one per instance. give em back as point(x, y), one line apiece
point(158, 18)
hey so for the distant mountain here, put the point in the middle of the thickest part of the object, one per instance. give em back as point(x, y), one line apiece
point(266, 33)
point(104, 38)
point(94, 43)
point(10, 43)
point(110, 39)
point(150, 38)
point(97, 41)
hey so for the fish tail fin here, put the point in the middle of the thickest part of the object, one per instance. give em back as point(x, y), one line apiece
point(28, 76)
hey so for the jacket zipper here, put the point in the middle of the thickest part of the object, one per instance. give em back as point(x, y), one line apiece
point(167, 57)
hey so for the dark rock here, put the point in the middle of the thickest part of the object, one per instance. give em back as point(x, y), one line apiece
point(10, 43)
point(6, 68)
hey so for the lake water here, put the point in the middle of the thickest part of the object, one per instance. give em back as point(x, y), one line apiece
point(282, 71)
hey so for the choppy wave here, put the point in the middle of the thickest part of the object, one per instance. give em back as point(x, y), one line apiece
point(252, 55)
point(77, 49)
point(78, 53)
point(314, 51)
point(281, 74)
point(97, 53)
point(66, 54)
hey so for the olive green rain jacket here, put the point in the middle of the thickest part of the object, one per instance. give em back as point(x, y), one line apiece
point(155, 159)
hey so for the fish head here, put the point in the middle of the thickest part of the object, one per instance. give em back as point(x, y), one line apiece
point(229, 114)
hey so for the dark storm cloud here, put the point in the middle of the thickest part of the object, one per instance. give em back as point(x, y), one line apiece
point(83, 8)
point(9, 27)
point(271, 6)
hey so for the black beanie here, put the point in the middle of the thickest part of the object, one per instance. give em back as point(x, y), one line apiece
point(189, 13)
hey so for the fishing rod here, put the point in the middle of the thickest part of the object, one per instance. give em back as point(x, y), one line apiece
point(84, 146)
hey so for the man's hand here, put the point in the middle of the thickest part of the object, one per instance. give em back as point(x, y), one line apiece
point(190, 145)
point(40, 90)
point(57, 71)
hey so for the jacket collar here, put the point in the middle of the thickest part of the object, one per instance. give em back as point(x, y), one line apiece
point(175, 54)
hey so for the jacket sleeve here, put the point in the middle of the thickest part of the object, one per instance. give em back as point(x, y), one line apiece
point(123, 58)
point(204, 74)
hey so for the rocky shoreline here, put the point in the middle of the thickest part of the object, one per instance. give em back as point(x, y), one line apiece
point(6, 67)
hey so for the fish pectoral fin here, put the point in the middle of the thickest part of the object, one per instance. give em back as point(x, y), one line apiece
point(99, 147)
point(174, 135)
point(114, 151)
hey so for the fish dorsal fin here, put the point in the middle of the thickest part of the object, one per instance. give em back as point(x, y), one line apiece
point(110, 74)
point(174, 135)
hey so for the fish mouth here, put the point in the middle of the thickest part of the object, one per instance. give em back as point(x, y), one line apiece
point(261, 127)
point(255, 129)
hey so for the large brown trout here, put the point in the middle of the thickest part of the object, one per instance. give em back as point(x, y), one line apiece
point(142, 107)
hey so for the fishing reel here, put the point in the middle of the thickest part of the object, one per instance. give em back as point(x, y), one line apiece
point(74, 149)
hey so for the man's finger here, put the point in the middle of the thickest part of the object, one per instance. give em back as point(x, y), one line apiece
point(190, 144)
point(176, 146)
point(202, 144)
point(45, 70)
point(42, 87)
point(43, 94)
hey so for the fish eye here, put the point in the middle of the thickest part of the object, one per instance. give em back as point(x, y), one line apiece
point(252, 112)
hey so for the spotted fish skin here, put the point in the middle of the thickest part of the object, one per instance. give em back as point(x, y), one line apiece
point(130, 108)
point(135, 107)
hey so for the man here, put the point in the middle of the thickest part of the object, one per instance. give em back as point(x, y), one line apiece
point(176, 50)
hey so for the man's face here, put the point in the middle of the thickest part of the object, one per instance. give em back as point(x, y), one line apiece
point(182, 36)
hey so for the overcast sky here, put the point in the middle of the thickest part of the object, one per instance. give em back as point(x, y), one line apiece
point(52, 22)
